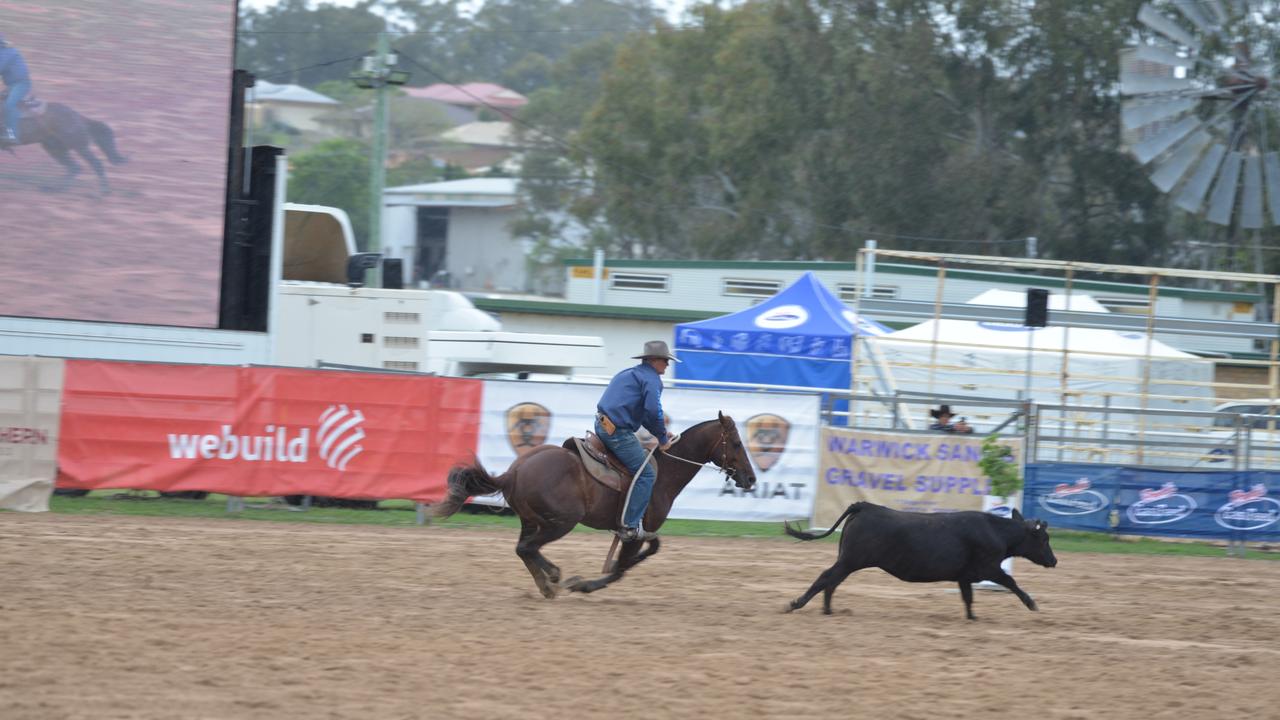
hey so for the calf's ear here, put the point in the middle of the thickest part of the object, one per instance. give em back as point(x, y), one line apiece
point(1017, 515)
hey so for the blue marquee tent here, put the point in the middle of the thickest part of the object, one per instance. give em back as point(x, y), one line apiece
point(802, 336)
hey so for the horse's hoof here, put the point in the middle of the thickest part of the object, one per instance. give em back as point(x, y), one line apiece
point(570, 582)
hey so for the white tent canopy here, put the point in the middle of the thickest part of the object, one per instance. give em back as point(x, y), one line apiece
point(1100, 367)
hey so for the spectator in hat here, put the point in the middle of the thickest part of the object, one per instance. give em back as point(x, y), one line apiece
point(634, 400)
point(942, 421)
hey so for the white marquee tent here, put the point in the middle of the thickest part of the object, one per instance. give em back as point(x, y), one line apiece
point(1102, 367)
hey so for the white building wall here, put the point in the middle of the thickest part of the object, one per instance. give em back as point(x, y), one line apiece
point(399, 236)
point(704, 289)
point(622, 337)
point(482, 255)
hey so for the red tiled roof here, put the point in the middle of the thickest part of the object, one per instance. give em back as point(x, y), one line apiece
point(470, 94)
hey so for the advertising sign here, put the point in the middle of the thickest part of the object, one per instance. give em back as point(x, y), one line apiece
point(906, 471)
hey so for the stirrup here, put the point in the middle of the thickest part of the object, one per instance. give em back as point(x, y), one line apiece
point(630, 534)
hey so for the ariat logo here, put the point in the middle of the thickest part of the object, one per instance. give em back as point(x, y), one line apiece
point(339, 435)
point(528, 425)
point(767, 439)
point(1164, 504)
point(1248, 509)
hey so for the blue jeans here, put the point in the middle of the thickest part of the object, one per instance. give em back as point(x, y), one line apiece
point(627, 447)
point(17, 92)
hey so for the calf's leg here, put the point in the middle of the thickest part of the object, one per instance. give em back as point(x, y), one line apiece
point(826, 583)
point(1004, 580)
point(966, 592)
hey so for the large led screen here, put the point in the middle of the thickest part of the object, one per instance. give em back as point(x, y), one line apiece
point(140, 89)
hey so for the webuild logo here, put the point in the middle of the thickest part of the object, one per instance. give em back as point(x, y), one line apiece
point(1077, 498)
point(1248, 509)
point(1161, 505)
point(338, 433)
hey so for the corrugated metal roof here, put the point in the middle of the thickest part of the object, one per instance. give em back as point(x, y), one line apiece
point(469, 186)
point(492, 134)
point(263, 91)
point(477, 93)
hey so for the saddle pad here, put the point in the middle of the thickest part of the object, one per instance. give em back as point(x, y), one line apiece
point(603, 474)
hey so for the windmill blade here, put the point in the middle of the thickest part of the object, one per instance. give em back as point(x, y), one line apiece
point(1152, 18)
point(1192, 11)
point(1218, 12)
point(1162, 54)
point(1271, 166)
point(1136, 113)
point(1223, 199)
point(1139, 76)
point(1150, 148)
point(1192, 195)
point(1171, 170)
point(1251, 197)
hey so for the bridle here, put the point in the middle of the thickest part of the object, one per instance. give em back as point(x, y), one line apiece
point(725, 465)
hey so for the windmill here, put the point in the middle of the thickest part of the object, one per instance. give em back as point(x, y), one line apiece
point(1199, 109)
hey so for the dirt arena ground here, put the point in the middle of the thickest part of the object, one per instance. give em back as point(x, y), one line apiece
point(123, 617)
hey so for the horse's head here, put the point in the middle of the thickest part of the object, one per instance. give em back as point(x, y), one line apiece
point(731, 455)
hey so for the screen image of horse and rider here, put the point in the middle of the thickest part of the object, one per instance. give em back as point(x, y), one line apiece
point(140, 90)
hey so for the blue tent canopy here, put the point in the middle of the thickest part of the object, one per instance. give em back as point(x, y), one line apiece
point(802, 336)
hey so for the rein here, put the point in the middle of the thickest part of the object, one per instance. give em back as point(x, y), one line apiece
point(724, 456)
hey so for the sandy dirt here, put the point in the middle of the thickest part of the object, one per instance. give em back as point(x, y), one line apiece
point(155, 618)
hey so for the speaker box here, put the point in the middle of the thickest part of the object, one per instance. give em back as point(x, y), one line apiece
point(392, 273)
point(1037, 308)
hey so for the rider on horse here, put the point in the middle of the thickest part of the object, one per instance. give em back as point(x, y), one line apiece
point(14, 71)
point(634, 400)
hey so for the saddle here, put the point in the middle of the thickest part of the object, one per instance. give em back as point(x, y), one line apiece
point(601, 464)
point(30, 105)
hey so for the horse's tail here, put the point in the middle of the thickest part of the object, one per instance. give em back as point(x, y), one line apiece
point(466, 481)
point(105, 138)
point(797, 533)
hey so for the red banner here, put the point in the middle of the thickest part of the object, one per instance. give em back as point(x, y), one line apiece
point(258, 432)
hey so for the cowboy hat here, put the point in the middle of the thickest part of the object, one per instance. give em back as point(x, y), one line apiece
point(656, 349)
point(942, 410)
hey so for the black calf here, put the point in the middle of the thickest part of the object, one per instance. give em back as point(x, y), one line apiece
point(963, 547)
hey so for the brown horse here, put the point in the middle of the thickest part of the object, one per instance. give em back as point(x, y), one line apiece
point(551, 492)
point(61, 131)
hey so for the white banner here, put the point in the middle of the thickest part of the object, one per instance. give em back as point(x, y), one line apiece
point(30, 412)
point(780, 431)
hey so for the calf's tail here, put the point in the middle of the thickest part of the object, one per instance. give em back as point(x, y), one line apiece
point(466, 481)
point(797, 533)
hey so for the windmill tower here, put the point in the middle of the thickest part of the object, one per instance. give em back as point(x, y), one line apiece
point(1200, 112)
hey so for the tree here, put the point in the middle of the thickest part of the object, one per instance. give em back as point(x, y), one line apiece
point(335, 173)
point(293, 43)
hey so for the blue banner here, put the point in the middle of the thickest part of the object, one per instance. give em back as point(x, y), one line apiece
point(1223, 505)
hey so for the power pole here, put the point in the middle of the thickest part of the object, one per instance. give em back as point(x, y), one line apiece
point(377, 73)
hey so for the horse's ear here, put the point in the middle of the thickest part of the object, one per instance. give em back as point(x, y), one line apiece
point(721, 414)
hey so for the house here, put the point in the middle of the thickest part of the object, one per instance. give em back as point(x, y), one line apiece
point(269, 105)
point(477, 146)
point(456, 234)
point(476, 95)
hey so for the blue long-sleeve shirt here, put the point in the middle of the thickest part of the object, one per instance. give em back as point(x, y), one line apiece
point(634, 400)
point(12, 67)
